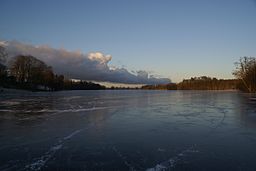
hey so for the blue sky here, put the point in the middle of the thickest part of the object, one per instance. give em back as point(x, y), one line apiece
point(171, 38)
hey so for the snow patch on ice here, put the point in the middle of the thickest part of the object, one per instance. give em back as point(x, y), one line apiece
point(161, 150)
point(72, 134)
point(172, 162)
point(40, 162)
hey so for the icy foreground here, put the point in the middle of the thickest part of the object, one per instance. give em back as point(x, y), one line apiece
point(127, 130)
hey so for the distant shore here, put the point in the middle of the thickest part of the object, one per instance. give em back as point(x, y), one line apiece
point(15, 90)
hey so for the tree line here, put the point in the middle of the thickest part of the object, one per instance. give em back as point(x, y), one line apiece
point(198, 83)
point(170, 86)
point(28, 72)
point(207, 83)
point(245, 74)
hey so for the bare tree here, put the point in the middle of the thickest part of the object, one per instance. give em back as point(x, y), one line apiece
point(3, 55)
point(28, 69)
point(246, 72)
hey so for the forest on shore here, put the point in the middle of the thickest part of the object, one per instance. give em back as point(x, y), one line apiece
point(28, 72)
point(198, 83)
point(245, 74)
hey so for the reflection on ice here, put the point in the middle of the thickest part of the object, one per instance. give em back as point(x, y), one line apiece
point(55, 111)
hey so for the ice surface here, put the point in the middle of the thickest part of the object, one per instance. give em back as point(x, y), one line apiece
point(127, 130)
point(41, 161)
point(171, 163)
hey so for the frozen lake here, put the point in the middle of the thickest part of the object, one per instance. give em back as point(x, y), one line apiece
point(127, 130)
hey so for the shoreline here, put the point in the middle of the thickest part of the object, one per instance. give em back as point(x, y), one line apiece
point(2, 89)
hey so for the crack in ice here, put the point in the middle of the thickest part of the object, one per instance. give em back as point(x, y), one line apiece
point(41, 161)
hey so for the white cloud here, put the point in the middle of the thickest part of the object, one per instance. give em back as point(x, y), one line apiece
point(3, 43)
point(101, 58)
point(74, 64)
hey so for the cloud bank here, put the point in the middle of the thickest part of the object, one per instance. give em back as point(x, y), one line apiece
point(76, 65)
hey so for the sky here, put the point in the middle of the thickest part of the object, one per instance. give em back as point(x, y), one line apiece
point(173, 39)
